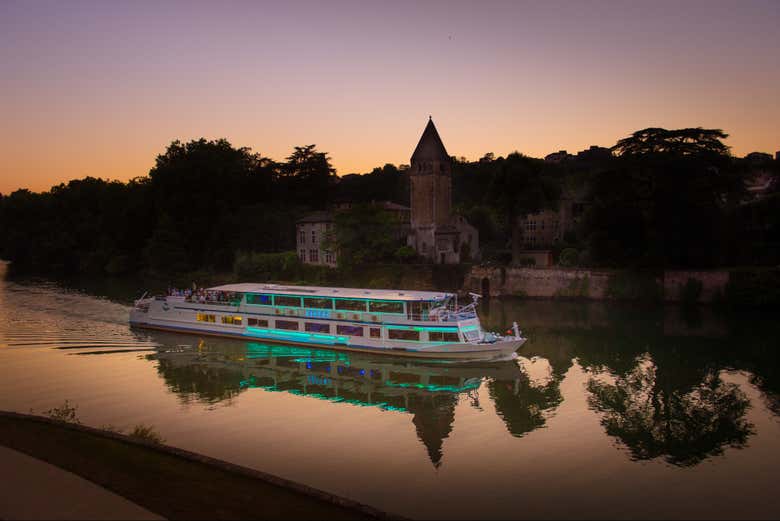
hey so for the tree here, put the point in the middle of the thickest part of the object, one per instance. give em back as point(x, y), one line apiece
point(310, 175)
point(519, 188)
point(200, 185)
point(363, 234)
point(685, 141)
point(665, 201)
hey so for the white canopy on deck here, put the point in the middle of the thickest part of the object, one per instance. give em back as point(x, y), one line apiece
point(318, 291)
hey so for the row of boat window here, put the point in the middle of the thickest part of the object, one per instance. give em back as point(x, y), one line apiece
point(372, 306)
point(225, 319)
point(341, 329)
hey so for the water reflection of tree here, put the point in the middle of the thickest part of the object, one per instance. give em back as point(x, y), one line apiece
point(656, 414)
point(200, 382)
point(523, 406)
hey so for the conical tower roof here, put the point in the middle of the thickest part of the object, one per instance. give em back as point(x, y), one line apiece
point(430, 147)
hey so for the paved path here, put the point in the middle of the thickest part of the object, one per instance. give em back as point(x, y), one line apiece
point(33, 489)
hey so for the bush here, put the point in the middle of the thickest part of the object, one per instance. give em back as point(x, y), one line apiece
point(405, 254)
point(64, 413)
point(265, 266)
point(146, 433)
point(569, 257)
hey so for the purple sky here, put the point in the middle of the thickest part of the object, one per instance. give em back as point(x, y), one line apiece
point(101, 88)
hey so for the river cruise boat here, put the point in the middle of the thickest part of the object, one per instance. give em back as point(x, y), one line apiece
point(422, 324)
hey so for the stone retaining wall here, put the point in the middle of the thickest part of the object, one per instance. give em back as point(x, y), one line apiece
point(713, 282)
point(579, 283)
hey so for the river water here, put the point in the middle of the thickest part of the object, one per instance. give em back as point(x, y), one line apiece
point(609, 411)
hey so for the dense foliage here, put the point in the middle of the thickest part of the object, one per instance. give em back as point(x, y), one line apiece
point(202, 202)
point(663, 198)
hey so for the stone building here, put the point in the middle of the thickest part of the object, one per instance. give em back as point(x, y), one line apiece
point(311, 232)
point(543, 229)
point(436, 233)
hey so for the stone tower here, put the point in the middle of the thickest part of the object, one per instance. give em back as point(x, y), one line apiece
point(435, 233)
point(431, 180)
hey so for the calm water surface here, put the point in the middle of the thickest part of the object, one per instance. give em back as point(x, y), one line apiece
point(610, 411)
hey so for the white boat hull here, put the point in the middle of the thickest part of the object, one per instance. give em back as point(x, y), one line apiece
point(502, 348)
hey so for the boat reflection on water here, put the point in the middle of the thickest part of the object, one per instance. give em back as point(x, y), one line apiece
point(215, 370)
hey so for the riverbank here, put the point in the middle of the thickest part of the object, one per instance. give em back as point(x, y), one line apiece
point(171, 482)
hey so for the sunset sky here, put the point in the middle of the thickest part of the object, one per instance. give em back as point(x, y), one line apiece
point(101, 88)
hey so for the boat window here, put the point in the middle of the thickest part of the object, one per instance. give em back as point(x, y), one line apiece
point(287, 324)
point(236, 321)
point(375, 306)
point(285, 300)
point(204, 317)
point(443, 336)
point(320, 303)
point(350, 304)
point(418, 310)
point(403, 334)
point(376, 332)
point(258, 322)
point(349, 330)
point(314, 327)
point(258, 300)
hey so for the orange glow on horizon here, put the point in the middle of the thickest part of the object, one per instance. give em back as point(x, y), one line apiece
point(100, 89)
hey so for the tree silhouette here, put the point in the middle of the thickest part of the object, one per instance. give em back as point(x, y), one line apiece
point(654, 417)
point(522, 406)
point(684, 141)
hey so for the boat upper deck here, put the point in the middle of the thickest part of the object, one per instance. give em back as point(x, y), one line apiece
point(350, 293)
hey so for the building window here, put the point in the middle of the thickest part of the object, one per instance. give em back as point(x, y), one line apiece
point(315, 327)
point(530, 226)
point(403, 334)
point(259, 322)
point(375, 332)
point(313, 237)
point(287, 324)
point(302, 255)
point(302, 236)
point(349, 330)
point(329, 257)
point(314, 256)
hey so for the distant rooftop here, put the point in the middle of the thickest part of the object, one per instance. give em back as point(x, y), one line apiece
point(317, 217)
point(314, 291)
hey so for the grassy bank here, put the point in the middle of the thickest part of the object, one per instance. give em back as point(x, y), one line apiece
point(173, 483)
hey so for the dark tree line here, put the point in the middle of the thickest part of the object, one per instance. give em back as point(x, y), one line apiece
point(201, 202)
point(663, 198)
